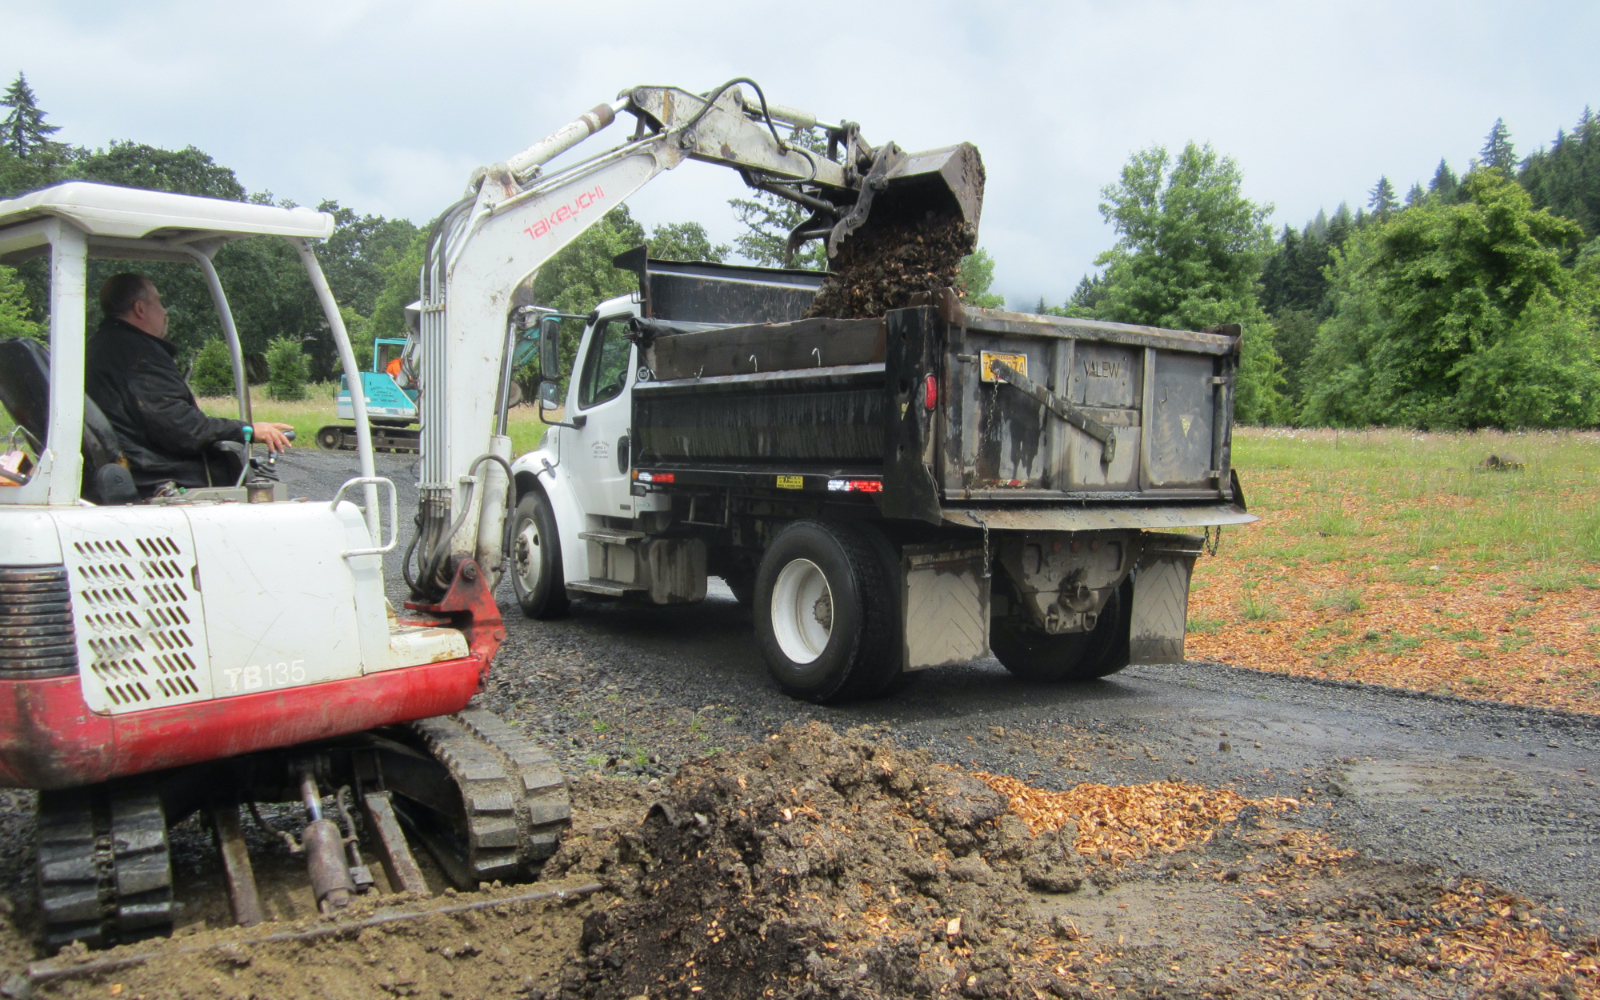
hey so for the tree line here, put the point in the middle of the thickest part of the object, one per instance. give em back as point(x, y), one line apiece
point(1475, 302)
point(371, 262)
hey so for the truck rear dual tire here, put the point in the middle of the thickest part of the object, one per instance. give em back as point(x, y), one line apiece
point(1038, 656)
point(827, 612)
point(536, 572)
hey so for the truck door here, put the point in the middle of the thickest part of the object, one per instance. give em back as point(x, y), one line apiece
point(599, 449)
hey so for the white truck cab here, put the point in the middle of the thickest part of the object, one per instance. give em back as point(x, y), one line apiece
point(583, 463)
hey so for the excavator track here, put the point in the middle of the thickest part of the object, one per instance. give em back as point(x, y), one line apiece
point(342, 437)
point(105, 872)
point(514, 798)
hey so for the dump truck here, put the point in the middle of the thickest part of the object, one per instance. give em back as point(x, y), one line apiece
point(887, 494)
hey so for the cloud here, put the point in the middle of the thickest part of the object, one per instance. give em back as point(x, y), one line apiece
point(386, 107)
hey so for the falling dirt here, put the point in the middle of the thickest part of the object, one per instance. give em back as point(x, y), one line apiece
point(881, 267)
point(816, 864)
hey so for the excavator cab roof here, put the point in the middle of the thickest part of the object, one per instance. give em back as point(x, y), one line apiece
point(162, 223)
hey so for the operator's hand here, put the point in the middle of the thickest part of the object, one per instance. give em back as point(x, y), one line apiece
point(271, 435)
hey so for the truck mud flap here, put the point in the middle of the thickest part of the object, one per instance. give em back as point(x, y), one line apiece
point(945, 597)
point(1161, 597)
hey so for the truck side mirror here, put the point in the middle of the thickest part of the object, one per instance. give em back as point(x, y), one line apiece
point(549, 394)
point(549, 349)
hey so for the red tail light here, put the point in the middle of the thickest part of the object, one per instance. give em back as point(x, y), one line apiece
point(930, 393)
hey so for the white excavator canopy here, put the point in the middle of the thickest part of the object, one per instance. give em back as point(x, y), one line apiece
point(107, 215)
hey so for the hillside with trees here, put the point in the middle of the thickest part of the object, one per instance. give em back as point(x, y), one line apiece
point(1472, 302)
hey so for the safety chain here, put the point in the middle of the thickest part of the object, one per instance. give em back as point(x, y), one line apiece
point(984, 525)
point(1212, 541)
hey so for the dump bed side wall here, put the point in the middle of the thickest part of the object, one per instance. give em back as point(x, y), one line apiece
point(1164, 395)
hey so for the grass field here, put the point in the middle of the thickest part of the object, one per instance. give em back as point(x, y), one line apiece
point(1389, 557)
point(306, 415)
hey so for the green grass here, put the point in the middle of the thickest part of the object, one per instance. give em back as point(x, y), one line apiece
point(1211, 626)
point(1394, 498)
point(1347, 600)
point(1257, 609)
point(307, 415)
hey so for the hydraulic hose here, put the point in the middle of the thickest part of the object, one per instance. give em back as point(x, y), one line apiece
point(441, 550)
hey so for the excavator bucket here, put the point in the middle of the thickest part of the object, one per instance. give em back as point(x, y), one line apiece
point(946, 181)
point(926, 190)
point(914, 220)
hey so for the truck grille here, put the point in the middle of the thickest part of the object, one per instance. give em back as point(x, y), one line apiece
point(36, 637)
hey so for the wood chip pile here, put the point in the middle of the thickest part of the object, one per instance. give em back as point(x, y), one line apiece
point(1123, 822)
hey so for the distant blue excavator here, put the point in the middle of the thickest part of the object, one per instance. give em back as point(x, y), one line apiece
point(391, 390)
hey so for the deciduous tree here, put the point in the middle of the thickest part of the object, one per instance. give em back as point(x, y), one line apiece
point(1460, 315)
point(1190, 247)
point(977, 275)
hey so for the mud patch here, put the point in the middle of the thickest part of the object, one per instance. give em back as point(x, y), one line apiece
point(881, 267)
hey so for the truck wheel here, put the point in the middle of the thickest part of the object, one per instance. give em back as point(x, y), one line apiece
point(824, 612)
point(536, 574)
point(1037, 656)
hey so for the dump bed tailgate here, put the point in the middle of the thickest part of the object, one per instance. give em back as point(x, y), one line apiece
point(1046, 408)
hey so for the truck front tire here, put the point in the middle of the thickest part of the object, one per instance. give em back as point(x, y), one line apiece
point(826, 614)
point(1034, 655)
point(536, 572)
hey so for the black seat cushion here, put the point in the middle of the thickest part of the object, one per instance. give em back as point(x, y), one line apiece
point(25, 392)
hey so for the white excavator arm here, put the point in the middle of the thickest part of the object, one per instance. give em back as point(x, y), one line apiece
point(516, 216)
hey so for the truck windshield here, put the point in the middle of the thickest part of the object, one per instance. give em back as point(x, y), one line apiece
point(605, 368)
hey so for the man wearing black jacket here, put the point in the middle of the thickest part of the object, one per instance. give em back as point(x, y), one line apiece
point(132, 376)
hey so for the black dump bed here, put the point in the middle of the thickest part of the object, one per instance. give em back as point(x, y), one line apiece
point(943, 409)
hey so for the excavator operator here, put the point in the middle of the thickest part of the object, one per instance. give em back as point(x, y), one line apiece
point(132, 375)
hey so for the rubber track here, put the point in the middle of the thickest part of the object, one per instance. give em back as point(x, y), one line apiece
point(401, 440)
point(514, 796)
point(104, 869)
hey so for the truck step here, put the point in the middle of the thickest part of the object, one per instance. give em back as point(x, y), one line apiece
point(612, 588)
point(611, 536)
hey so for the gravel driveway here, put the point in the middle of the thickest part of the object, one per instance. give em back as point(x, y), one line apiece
point(1504, 792)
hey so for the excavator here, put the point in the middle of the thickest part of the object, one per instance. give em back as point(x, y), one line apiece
point(216, 650)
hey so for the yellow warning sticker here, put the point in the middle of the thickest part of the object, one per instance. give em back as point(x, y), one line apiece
point(791, 482)
point(988, 358)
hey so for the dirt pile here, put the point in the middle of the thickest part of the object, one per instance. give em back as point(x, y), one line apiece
point(880, 267)
point(819, 865)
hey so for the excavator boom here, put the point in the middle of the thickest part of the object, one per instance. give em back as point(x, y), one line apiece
point(516, 216)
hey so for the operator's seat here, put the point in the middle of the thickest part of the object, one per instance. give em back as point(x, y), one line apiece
point(25, 392)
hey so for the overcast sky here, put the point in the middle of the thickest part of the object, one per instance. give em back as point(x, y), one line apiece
point(388, 106)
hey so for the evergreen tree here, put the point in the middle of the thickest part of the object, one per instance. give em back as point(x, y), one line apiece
point(1340, 226)
point(1086, 298)
point(286, 364)
point(1566, 177)
point(1444, 183)
point(1382, 200)
point(15, 310)
point(1416, 195)
point(769, 219)
point(212, 371)
point(1318, 226)
point(23, 132)
point(1497, 153)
